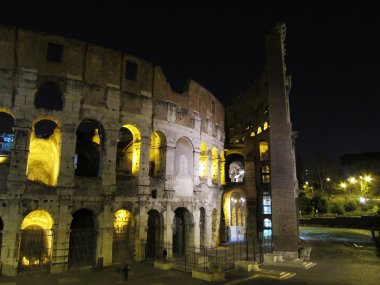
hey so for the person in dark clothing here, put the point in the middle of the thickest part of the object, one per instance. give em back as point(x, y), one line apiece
point(164, 255)
point(126, 270)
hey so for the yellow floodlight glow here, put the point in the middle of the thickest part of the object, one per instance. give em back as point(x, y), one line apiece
point(203, 160)
point(352, 180)
point(367, 178)
point(343, 185)
point(214, 165)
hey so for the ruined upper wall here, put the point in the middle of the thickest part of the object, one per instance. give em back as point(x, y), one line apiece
point(99, 67)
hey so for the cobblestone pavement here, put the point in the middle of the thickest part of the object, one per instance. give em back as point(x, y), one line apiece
point(339, 262)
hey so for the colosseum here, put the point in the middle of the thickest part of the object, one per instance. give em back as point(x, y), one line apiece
point(101, 162)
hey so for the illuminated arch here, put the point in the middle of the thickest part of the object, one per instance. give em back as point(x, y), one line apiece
point(234, 210)
point(36, 239)
point(157, 154)
point(266, 126)
point(203, 160)
point(44, 151)
point(215, 165)
point(123, 236)
point(259, 130)
point(128, 150)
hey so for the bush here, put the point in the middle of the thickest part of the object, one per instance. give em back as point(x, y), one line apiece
point(304, 203)
point(350, 205)
point(336, 208)
point(320, 203)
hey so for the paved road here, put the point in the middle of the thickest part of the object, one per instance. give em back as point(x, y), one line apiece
point(343, 257)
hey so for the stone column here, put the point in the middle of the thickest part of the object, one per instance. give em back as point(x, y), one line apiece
point(19, 157)
point(61, 239)
point(109, 161)
point(197, 238)
point(168, 217)
point(11, 239)
point(208, 227)
point(105, 235)
point(68, 144)
point(144, 166)
point(196, 158)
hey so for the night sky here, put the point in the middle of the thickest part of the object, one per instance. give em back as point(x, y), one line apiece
point(333, 53)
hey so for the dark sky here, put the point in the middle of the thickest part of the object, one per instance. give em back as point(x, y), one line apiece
point(333, 53)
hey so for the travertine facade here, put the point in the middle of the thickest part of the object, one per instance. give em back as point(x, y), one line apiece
point(108, 163)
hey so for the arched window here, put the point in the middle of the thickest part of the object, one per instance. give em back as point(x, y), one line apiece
point(215, 165)
point(6, 136)
point(157, 154)
point(44, 153)
point(264, 150)
point(203, 160)
point(128, 151)
point(49, 96)
point(88, 146)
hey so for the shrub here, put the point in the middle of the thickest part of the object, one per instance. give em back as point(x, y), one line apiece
point(336, 208)
point(304, 203)
point(320, 203)
point(350, 205)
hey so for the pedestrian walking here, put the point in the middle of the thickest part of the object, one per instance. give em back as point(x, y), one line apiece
point(164, 255)
point(126, 270)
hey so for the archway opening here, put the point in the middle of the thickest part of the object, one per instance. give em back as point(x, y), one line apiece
point(90, 136)
point(49, 96)
point(123, 237)
point(82, 245)
point(235, 163)
point(36, 241)
point(44, 152)
point(157, 155)
point(183, 231)
point(6, 136)
point(128, 151)
point(234, 207)
point(154, 246)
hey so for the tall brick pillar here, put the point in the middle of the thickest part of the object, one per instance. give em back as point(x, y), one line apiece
point(284, 216)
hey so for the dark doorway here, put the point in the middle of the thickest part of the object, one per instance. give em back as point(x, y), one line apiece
point(154, 234)
point(202, 221)
point(88, 146)
point(82, 239)
point(179, 232)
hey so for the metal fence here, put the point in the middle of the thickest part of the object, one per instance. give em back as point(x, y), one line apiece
point(221, 258)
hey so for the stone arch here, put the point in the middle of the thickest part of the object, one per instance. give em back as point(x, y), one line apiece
point(235, 167)
point(90, 139)
point(183, 230)
point(49, 96)
point(82, 246)
point(184, 147)
point(124, 226)
point(154, 234)
point(6, 135)
point(36, 241)
point(183, 167)
point(203, 160)
point(44, 151)
point(128, 151)
point(215, 165)
point(157, 154)
point(234, 210)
